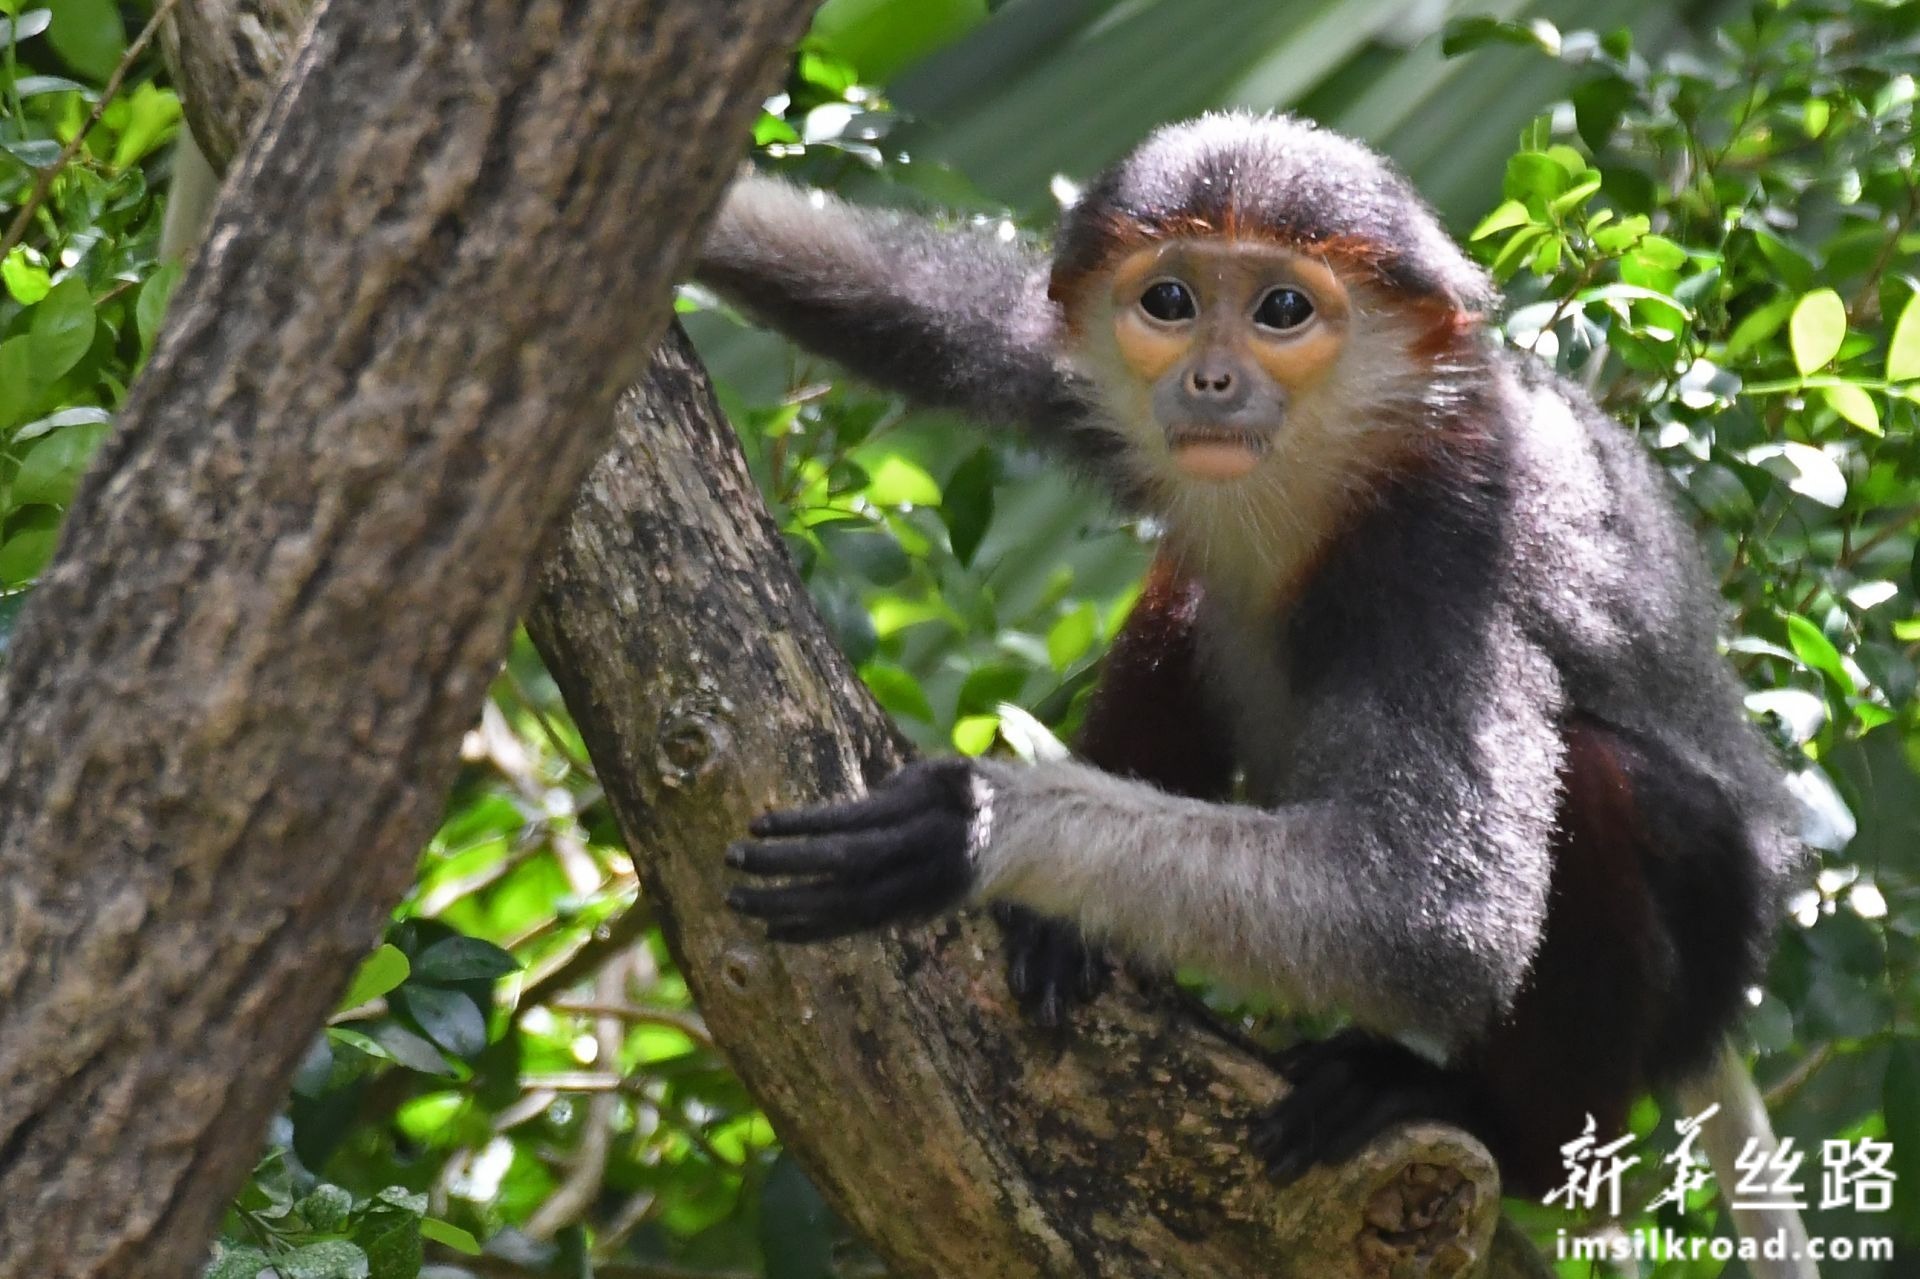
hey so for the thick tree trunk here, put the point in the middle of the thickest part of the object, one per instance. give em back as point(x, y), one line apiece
point(957, 1140)
point(234, 702)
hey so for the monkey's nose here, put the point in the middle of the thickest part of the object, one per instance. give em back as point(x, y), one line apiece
point(1211, 381)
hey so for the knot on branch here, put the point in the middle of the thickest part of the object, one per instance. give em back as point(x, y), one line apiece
point(693, 735)
point(1421, 1223)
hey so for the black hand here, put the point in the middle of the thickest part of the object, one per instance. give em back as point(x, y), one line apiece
point(900, 853)
point(1051, 969)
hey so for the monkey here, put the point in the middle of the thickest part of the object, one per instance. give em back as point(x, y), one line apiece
point(1419, 717)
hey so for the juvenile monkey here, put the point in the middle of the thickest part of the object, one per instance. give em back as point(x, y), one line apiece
point(1431, 612)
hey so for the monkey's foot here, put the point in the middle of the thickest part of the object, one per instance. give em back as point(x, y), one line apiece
point(1051, 969)
point(1346, 1090)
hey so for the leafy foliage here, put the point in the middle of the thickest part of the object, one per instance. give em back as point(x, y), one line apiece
point(1720, 242)
point(1723, 246)
point(83, 288)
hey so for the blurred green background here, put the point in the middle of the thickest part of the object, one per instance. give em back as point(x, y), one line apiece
point(1705, 212)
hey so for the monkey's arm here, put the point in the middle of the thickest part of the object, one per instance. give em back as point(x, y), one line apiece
point(954, 318)
point(1151, 718)
point(1407, 888)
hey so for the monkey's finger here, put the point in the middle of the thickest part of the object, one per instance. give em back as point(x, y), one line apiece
point(850, 853)
point(884, 807)
point(909, 894)
point(783, 902)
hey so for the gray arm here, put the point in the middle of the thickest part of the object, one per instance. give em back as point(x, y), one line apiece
point(1406, 886)
point(953, 318)
point(1404, 881)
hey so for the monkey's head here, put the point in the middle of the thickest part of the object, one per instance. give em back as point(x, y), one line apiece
point(1244, 285)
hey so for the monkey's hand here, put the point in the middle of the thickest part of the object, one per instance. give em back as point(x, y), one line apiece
point(905, 852)
point(1051, 968)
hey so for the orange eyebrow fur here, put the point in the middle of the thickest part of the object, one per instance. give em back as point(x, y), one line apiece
point(1444, 327)
point(1123, 235)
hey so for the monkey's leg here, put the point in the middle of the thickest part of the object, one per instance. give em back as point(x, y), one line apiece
point(1578, 1038)
point(1151, 720)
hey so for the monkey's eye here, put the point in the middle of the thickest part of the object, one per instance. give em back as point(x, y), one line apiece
point(1283, 309)
point(1169, 301)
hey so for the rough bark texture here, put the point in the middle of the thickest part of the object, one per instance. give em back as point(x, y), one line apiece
point(234, 702)
point(959, 1141)
point(226, 56)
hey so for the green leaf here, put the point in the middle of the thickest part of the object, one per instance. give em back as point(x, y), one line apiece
point(330, 1259)
point(54, 464)
point(1534, 178)
point(966, 506)
point(796, 1226)
point(1900, 1104)
point(154, 115)
point(325, 1208)
point(881, 37)
point(448, 1017)
point(25, 27)
point(379, 973)
point(316, 1068)
point(867, 550)
point(33, 86)
point(1508, 214)
point(28, 547)
point(974, 734)
point(1818, 327)
point(1464, 34)
point(20, 390)
point(455, 959)
point(26, 279)
point(1854, 404)
point(83, 415)
point(61, 330)
point(1807, 470)
point(90, 36)
point(1069, 638)
point(1575, 195)
point(35, 153)
point(1758, 325)
point(449, 1235)
point(388, 1038)
point(1814, 114)
point(1597, 108)
point(1812, 647)
point(392, 1241)
point(151, 306)
point(1903, 352)
point(236, 1263)
point(897, 691)
point(896, 481)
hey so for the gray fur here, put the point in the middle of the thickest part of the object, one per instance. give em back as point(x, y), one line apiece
point(956, 318)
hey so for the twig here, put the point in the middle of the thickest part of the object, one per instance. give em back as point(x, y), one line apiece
point(578, 1191)
point(43, 185)
point(688, 1024)
point(1796, 1079)
point(621, 932)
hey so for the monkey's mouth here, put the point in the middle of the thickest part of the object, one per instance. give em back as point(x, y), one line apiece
point(1217, 453)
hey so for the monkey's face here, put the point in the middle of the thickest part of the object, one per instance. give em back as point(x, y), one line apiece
point(1223, 338)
